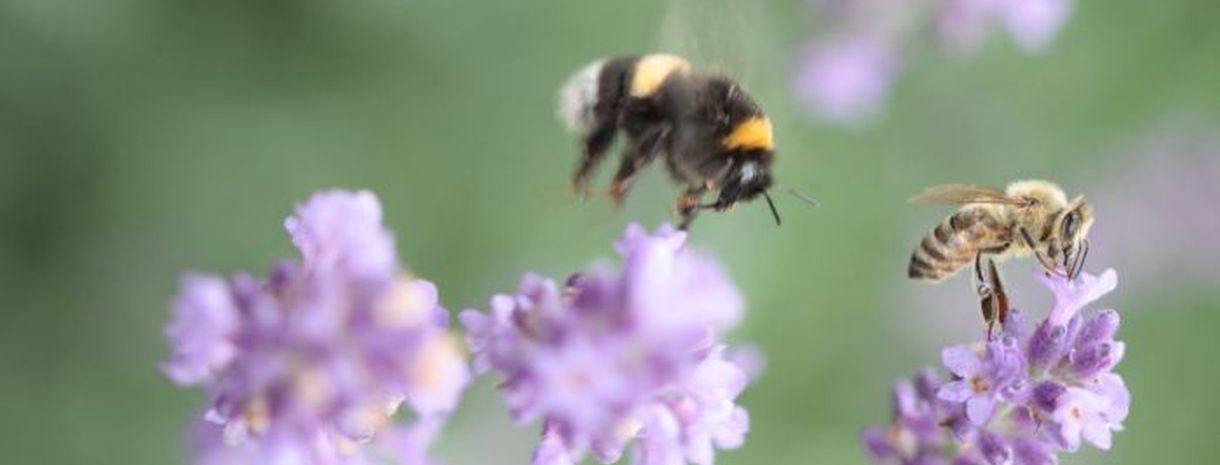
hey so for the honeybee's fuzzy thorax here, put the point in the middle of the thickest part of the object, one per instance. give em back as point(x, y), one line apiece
point(1047, 193)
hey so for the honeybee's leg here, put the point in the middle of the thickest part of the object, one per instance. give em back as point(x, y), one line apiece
point(1033, 247)
point(635, 157)
point(596, 144)
point(999, 298)
point(688, 205)
point(993, 301)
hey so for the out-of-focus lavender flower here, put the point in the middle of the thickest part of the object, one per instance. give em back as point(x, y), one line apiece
point(962, 25)
point(612, 359)
point(205, 319)
point(1166, 185)
point(846, 74)
point(848, 78)
point(1019, 399)
point(309, 365)
point(1033, 24)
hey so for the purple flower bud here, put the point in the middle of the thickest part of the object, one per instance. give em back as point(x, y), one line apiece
point(1101, 327)
point(1017, 326)
point(994, 449)
point(1046, 345)
point(878, 445)
point(927, 383)
point(1089, 362)
point(1046, 396)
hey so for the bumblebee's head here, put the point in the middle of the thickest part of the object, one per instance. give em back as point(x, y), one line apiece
point(1071, 229)
point(747, 179)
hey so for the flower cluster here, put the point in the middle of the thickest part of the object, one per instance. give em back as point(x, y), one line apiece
point(1020, 398)
point(309, 365)
point(612, 359)
point(846, 74)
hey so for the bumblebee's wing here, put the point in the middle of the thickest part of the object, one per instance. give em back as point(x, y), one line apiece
point(964, 194)
point(722, 36)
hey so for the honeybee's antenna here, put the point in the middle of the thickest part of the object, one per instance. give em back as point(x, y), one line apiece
point(771, 204)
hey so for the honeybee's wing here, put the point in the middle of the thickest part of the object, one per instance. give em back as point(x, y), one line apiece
point(964, 194)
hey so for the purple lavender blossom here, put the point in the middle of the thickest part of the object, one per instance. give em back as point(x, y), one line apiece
point(982, 374)
point(1020, 399)
point(618, 359)
point(309, 365)
point(848, 71)
point(848, 78)
point(1033, 24)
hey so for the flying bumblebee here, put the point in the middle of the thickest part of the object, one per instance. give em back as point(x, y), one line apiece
point(1028, 218)
point(711, 133)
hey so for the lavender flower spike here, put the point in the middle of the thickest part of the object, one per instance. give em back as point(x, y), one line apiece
point(1018, 400)
point(309, 365)
point(617, 359)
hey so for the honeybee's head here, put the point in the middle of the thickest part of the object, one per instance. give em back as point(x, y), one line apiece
point(1070, 232)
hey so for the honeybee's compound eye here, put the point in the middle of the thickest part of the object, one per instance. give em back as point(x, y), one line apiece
point(1071, 224)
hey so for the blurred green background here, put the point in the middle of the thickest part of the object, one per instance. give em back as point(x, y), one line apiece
point(142, 138)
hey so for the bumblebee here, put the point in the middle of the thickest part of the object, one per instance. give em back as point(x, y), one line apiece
point(711, 133)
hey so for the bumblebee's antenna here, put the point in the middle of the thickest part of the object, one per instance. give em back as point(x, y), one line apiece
point(771, 204)
point(803, 196)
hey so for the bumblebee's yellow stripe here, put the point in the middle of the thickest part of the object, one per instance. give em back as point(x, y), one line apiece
point(652, 70)
point(751, 134)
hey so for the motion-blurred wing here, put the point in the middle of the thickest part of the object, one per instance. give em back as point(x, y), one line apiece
point(964, 194)
point(718, 36)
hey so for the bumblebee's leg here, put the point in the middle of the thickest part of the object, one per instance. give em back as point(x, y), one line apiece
point(596, 144)
point(688, 205)
point(638, 155)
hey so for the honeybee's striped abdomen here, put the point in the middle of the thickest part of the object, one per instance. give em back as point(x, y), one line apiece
point(954, 243)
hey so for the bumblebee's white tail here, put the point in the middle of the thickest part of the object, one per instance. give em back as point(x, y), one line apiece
point(578, 96)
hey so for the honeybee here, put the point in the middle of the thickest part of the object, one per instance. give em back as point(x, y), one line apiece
point(1027, 218)
point(711, 133)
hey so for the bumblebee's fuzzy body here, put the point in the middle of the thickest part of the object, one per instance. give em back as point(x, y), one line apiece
point(712, 135)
